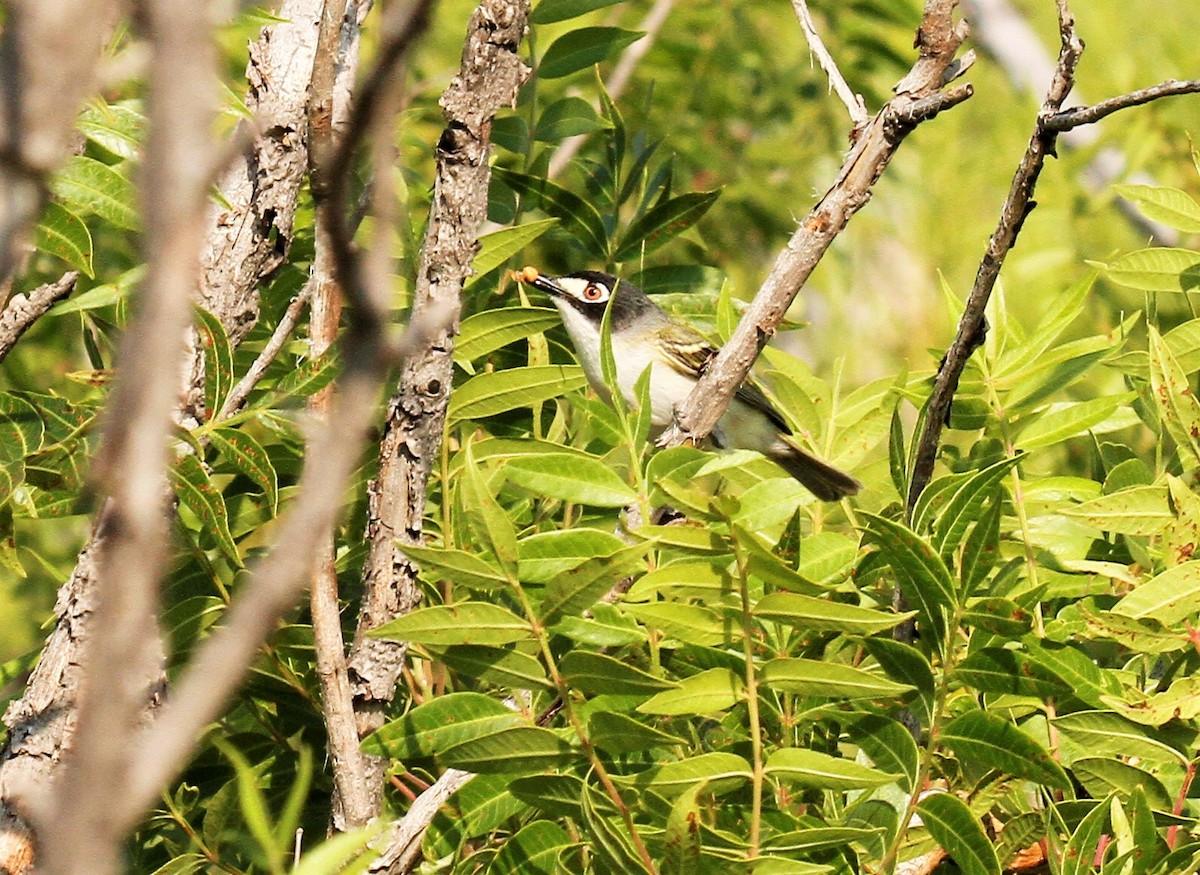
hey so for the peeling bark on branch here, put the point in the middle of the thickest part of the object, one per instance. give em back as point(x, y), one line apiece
point(489, 78)
point(22, 311)
point(919, 96)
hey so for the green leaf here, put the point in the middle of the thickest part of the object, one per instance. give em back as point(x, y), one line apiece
point(1101, 776)
point(829, 680)
point(498, 247)
point(581, 48)
point(218, 359)
point(1069, 420)
point(457, 566)
point(993, 742)
point(104, 295)
point(85, 184)
point(691, 624)
point(616, 733)
point(577, 215)
point(720, 772)
point(683, 837)
point(598, 673)
point(997, 615)
point(502, 666)
point(920, 572)
point(1178, 405)
point(64, 235)
point(999, 670)
point(513, 749)
point(890, 745)
point(545, 555)
point(196, 492)
point(461, 623)
point(500, 391)
point(534, 850)
point(711, 691)
point(492, 329)
point(699, 579)
point(1161, 269)
point(1105, 733)
point(810, 768)
point(116, 128)
point(663, 222)
point(574, 591)
point(1081, 849)
point(965, 504)
point(568, 117)
point(490, 526)
point(578, 479)
point(982, 547)
point(346, 852)
point(1170, 206)
point(251, 800)
point(959, 832)
point(1180, 701)
point(611, 844)
point(822, 615)
point(304, 380)
point(250, 459)
point(606, 627)
point(550, 11)
point(1170, 597)
point(1142, 510)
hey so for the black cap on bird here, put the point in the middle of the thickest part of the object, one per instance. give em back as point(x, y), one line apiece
point(643, 336)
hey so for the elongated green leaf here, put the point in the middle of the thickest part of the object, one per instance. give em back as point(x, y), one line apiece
point(534, 850)
point(596, 673)
point(981, 548)
point(1069, 420)
point(550, 11)
point(811, 677)
point(104, 295)
point(304, 380)
point(611, 843)
point(1180, 701)
point(993, 742)
point(198, 494)
point(568, 117)
point(1141, 510)
point(999, 670)
point(461, 623)
point(822, 615)
point(683, 837)
point(490, 526)
point(64, 235)
point(1105, 733)
point(458, 566)
point(920, 572)
point(1176, 403)
point(965, 505)
point(1080, 852)
point(581, 48)
point(578, 216)
point(509, 750)
point(1101, 776)
point(810, 768)
point(545, 555)
point(1161, 269)
point(248, 457)
point(1170, 597)
point(704, 580)
point(720, 772)
point(577, 479)
point(492, 329)
point(1170, 206)
point(499, 246)
point(87, 184)
point(607, 627)
point(439, 724)
point(119, 129)
point(346, 852)
point(218, 359)
point(574, 591)
point(663, 222)
point(618, 733)
point(502, 666)
point(717, 689)
point(501, 391)
point(959, 832)
point(691, 624)
point(997, 615)
point(890, 746)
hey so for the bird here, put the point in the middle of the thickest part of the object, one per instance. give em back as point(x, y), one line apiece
point(644, 335)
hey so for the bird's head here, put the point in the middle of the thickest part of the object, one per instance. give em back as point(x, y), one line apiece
point(588, 292)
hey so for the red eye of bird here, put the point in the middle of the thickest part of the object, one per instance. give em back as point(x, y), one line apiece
point(593, 292)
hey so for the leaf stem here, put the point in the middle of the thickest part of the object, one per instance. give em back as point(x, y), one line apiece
point(758, 772)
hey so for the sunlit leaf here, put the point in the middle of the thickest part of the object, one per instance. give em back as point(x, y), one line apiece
point(581, 48)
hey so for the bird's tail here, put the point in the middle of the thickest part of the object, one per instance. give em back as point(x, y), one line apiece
point(820, 478)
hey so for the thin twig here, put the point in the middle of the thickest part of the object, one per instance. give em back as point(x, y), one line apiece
point(617, 81)
point(918, 96)
point(82, 832)
point(405, 835)
point(854, 102)
point(1052, 119)
point(22, 311)
point(1086, 115)
point(279, 337)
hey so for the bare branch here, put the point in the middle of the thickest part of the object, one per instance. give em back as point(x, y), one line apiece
point(617, 80)
point(854, 102)
point(1086, 115)
point(919, 96)
point(123, 652)
point(279, 337)
point(1016, 207)
point(22, 311)
point(404, 836)
point(488, 79)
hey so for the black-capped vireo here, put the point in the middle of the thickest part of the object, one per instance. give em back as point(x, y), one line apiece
point(643, 335)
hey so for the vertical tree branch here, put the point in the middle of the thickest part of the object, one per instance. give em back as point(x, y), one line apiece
point(121, 659)
point(919, 96)
point(1017, 206)
point(490, 75)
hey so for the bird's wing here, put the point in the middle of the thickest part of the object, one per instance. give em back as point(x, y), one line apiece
point(690, 353)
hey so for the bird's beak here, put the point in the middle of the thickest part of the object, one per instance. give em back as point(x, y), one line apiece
point(532, 276)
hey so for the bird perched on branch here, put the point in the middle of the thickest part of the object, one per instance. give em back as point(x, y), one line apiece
point(643, 335)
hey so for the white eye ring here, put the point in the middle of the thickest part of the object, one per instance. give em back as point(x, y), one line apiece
point(593, 292)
